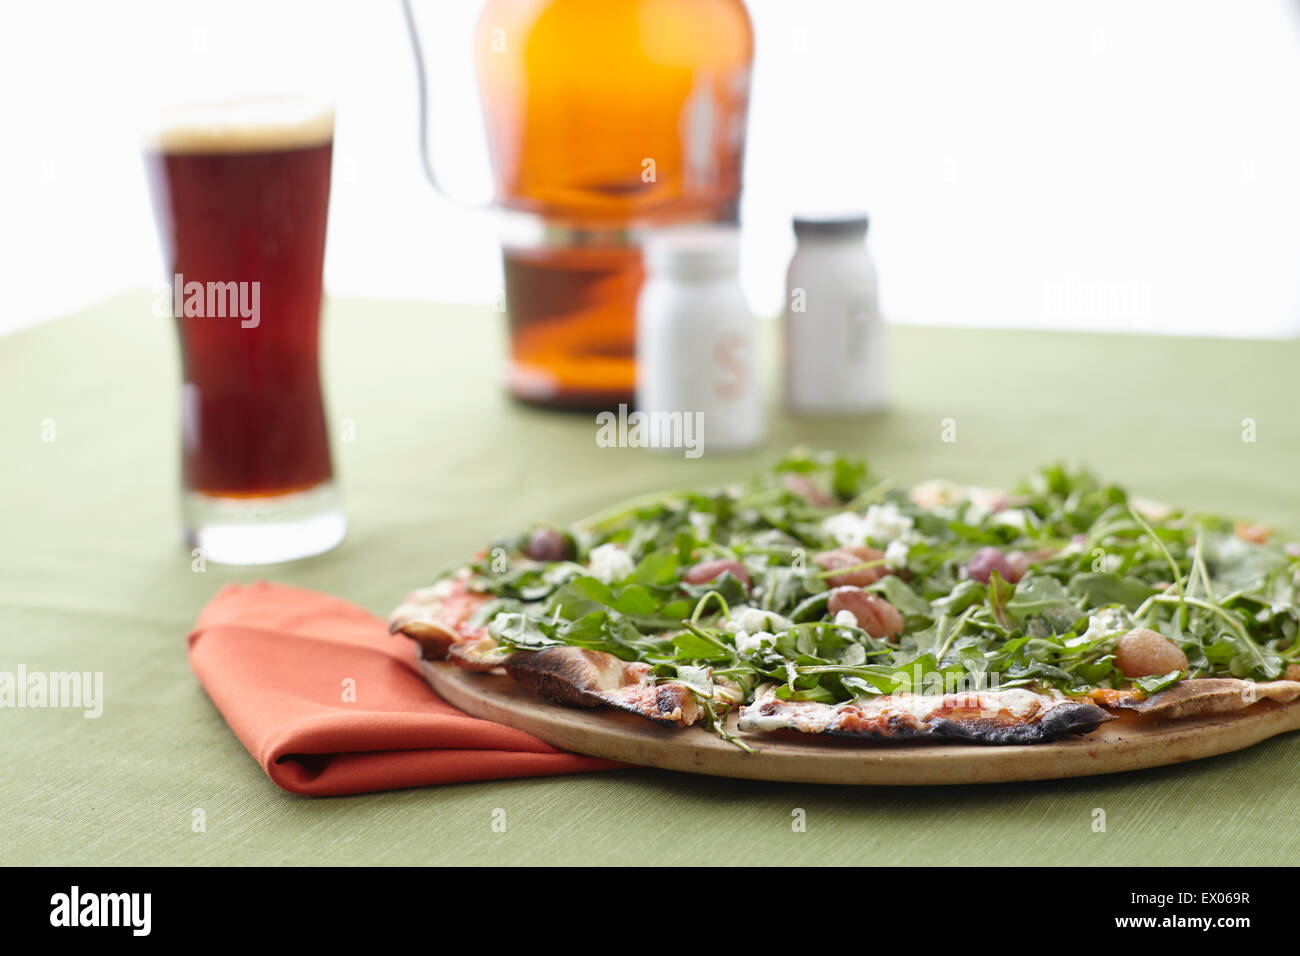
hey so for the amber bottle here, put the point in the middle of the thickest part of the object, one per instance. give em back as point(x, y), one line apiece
point(603, 117)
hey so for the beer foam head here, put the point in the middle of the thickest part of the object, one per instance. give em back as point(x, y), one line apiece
point(245, 125)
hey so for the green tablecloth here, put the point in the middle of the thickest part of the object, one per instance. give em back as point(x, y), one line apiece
point(93, 577)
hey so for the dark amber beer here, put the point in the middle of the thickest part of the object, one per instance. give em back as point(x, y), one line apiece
point(241, 192)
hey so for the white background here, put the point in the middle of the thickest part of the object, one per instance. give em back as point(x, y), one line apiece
point(1118, 164)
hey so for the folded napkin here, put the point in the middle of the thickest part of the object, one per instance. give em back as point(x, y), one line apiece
point(281, 663)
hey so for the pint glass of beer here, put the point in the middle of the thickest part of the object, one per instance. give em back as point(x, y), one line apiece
point(240, 191)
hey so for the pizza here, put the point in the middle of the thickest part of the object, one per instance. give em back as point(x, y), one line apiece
point(820, 598)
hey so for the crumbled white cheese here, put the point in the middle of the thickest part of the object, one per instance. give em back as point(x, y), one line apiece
point(1099, 625)
point(701, 525)
point(443, 588)
point(896, 553)
point(746, 642)
point(936, 492)
point(1075, 546)
point(1018, 518)
point(1150, 509)
point(885, 523)
point(845, 618)
point(746, 618)
point(880, 525)
point(1018, 702)
point(987, 499)
point(610, 563)
point(845, 527)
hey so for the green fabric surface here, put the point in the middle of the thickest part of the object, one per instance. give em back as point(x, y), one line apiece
point(93, 576)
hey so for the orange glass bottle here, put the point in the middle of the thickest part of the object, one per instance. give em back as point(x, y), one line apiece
point(604, 117)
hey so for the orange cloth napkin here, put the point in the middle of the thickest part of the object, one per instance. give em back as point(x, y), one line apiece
point(278, 662)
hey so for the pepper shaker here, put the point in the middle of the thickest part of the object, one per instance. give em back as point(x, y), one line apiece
point(835, 359)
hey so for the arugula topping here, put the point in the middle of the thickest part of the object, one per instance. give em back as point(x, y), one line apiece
point(1092, 564)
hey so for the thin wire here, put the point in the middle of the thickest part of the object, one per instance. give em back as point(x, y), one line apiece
point(425, 102)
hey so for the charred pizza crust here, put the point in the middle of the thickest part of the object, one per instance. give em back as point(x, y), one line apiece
point(988, 717)
point(439, 620)
point(449, 622)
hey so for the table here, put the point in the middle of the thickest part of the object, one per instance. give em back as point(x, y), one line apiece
point(93, 576)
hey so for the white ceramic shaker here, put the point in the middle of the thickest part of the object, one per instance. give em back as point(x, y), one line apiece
point(835, 356)
point(695, 336)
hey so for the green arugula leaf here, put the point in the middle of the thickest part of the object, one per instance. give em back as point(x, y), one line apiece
point(1099, 588)
point(1098, 567)
point(1158, 682)
point(1042, 596)
point(1000, 592)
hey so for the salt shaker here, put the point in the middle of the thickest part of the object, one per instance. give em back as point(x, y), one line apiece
point(835, 359)
point(695, 336)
